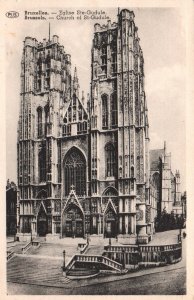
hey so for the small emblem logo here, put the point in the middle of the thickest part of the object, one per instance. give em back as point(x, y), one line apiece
point(12, 14)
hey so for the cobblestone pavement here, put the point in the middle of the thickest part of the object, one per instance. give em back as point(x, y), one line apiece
point(154, 279)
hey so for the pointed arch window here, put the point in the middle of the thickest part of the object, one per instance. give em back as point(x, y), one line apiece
point(104, 112)
point(114, 110)
point(110, 191)
point(75, 172)
point(47, 118)
point(42, 163)
point(39, 117)
point(110, 157)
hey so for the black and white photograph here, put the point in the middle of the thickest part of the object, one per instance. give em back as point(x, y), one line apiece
point(96, 185)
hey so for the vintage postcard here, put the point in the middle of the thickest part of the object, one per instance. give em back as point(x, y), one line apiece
point(96, 186)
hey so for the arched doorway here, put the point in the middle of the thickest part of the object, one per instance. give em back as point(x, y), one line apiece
point(75, 172)
point(110, 223)
point(73, 225)
point(42, 222)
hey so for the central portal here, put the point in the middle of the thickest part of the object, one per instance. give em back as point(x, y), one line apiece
point(42, 223)
point(73, 222)
point(110, 223)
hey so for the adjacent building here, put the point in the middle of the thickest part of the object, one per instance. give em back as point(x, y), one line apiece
point(165, 186)
point(11, 208)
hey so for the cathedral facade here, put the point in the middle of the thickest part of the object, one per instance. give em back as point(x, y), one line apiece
point(83, 164)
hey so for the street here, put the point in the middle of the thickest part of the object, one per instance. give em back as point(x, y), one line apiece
point(167, 280)
point(163, 283)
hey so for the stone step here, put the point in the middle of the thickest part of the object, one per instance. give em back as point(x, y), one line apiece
point(79, 272)
point(17, 247)
point(23, 269)
point(55, 250)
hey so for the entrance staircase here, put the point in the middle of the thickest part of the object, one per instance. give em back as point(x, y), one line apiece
point(36, 270)
point(16, 247)
point(97, 262)
point(54, 250)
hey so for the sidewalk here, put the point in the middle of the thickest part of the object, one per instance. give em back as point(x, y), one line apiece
point(110, 278)
point(165, 238)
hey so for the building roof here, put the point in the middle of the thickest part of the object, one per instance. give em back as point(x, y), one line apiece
point(154, 158)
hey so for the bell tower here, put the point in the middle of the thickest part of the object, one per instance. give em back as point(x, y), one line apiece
point(119, 124)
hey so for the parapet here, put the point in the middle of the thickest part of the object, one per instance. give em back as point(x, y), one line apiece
point(55, 39)
point(127, 14)
point(29, 41)
point(108, 26)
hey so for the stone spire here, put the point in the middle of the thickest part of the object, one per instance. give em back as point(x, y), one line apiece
point(76, 83)
point(83, 98)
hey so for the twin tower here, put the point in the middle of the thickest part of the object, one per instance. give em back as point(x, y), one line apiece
point(83, 164)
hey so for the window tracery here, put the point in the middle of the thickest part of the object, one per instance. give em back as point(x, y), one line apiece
point(75, 172)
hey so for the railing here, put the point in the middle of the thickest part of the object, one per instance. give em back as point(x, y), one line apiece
point(81, 245)
point(134, 255)
point(120, 257)
point(99, 259)
point(124, 258)
point(84, 248)
point(95, 260)
point(26, 247)
point(70, 263)
point(35, 243)
point(121, 248)
point(147, 248)
point(10, 254)
point(164, 254)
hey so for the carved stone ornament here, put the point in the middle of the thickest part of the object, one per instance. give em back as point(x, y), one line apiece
point(139, 215)
point(148, 214)
point(97, 40)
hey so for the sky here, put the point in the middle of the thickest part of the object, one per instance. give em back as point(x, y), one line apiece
point(162, 38)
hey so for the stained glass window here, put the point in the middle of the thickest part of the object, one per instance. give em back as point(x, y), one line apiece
point(75, 172)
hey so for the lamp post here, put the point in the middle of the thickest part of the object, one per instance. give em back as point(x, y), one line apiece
point(63, 259)
point(63, 267)
point(31, 234)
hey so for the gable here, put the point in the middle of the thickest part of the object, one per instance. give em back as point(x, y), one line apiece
point(75, 112)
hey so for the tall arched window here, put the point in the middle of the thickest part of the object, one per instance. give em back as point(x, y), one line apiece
point(47, 117)
point(110, 157)
point(104, 112)
point(110, 191)
point(114, 109)
point(42, 163)
point(39, 112)
point(75, 172)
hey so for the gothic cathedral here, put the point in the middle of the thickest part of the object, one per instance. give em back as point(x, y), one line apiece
point(83, 164)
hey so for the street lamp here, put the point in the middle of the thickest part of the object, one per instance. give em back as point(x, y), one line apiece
point(31, 234)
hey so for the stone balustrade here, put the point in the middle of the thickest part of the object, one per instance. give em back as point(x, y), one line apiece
point(118, 258)
point(95, 259)
point(26, 247)
point(111, 248)
point(10, 254)
point(141, 254)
